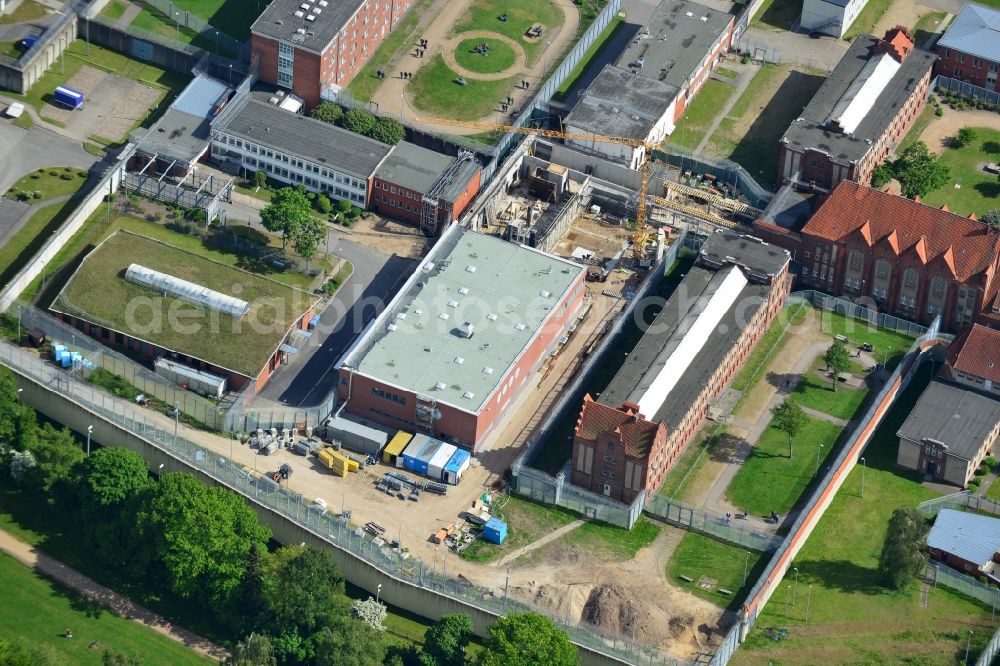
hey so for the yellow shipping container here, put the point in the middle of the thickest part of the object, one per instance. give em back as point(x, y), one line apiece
point(395, 447)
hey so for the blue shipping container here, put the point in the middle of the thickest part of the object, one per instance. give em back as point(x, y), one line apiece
point(68, 97)
point(495, 531)
point(456, 467)
point(419, 452)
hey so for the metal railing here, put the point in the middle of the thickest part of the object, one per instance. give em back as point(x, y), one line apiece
point(857, 311)
point(942, 574)
point(295, 507)
point(726, 528)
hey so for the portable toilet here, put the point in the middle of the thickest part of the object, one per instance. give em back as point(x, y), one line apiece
point(495, 531)
point(435, 466)
point(455, 467)
point(393, 451)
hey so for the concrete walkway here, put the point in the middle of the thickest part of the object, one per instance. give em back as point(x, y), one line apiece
point(534, 545)
point(130, 13)
point(116, 603)
point(742, 81)
point(823, 416)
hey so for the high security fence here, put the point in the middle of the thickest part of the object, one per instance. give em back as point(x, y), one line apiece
point(961, 500)
point(725, 171)
point(990, 652)
point(726, 528)
point(207, 34)
point(857, 311)
point(294, 506)
point(943, 84)
point(941, 574)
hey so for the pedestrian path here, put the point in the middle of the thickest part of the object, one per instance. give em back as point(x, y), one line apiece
point(116, 603)
point(742, 81)
point(535, 545)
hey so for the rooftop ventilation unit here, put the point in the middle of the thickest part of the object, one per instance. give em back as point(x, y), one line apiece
point(689, 14)
point(467, 330)
point(443, 316)
point(703, 19)
point(304, 5)
point(323, 3)
point(317, 10)
point(487, 370)
point(189, 291)
point(470, 268)
point(463, 291)
point(298, 14)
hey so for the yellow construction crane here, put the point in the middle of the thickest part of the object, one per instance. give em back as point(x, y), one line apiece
point(639, 235)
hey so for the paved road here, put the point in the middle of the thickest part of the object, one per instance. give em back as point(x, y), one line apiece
point(24, 151)
point(309, 376)
point(118, 604)
point(793, 47)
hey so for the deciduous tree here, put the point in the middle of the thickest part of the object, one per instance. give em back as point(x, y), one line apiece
point(918, 171)
point(109, 478)
point(526, 639)
point(303, 589)
point(387, 130)
point(348, 642)
point(789, 418)
point(991, 218)
point(902, 557)
point(445, 642)
point(307, 238)
point(964, 137)
point(358, 121)
point(288, 211)
point(327, 111)
point(254, 650)
point(838, 360)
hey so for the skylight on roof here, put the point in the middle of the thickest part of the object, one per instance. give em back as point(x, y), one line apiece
point(440, 386)
point(470, 268)
point(459, 360)
point(463, 290)
point(452, 304)
point(487, 370)
point(443, 315)
point(469, 395)
point(519, 326)
point(491, 316)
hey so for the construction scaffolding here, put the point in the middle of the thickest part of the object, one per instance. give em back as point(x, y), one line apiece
point(430, 204)
point(426, 410)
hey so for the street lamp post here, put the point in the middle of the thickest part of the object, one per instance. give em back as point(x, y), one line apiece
point(795, 589)
point(216, 42)
point(746, 568)
point(506, 584)
point(968, 643)
point(863, 466)
point(378, 592)
point(18, 394)
point(818, 451)
point(90, 429)
point(177, 420)
point(808, 601)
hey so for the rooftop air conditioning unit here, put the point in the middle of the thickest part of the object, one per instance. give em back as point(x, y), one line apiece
point(467, 330)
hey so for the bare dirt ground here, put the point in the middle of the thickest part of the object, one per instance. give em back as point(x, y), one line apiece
point(390, 237)
point(901, 13)
point(941, 130)
point(113, 104)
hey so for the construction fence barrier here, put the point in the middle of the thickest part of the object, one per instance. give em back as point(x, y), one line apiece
point(331, 528)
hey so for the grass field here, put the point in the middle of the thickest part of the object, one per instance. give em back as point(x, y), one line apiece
point(927, 25)
point(39, 610)
point(769, 345)
point(686, 468)
point(527, 521)
point(51, 182)
point(771, 481)
point(611, 543)
point(852, 619)
point(76, 56)
point(233, 17)
point(890, 346)
point(521, 16)
point(867, 19)
point(19, 249)
point(100, 294)
point(606, 34)
point(500, 56)
point(698, 555)
point(777, 14)
point(28, 10)
point(699, 116)
point(434, 90)
point(363, 86)
point(773, 99)
point(980, 191)
point(11, 50)
point(817, 393)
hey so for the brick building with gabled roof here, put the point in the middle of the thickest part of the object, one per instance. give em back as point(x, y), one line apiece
point(974, 359)
point(912, 260)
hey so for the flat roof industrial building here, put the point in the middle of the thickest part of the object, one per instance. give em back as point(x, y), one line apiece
point(462, 338)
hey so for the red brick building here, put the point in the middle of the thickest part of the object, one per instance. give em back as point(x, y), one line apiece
point(463, 338)
point(911, 260)
point(626, 442)
point(859, 114)
point(423, 187)
point(970, 49)
point(968, 542)
point(317, 46)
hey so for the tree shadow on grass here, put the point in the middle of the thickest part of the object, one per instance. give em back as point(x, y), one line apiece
point(989, 189)
point(991, 147)
point(725, 447)
point(843, 576)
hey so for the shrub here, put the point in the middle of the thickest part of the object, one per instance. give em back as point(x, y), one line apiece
point(975, 482)
point(990, 462)
point(323, 204)
point(980, 471)
point(347, 223)
point(939, 112)
point(36, 176)
point(37, 194)
point(181, 226)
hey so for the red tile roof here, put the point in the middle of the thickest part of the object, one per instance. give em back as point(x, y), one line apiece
point(635, 432)
point(967, 246)
point(977, 352)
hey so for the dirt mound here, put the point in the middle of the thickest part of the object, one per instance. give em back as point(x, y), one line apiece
point(610, 607)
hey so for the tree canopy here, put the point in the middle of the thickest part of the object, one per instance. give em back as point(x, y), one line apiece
point(445, 642)
point(919, 171)
point(303, 589)
point(991, 218)
point(110, 477)
point(902, 556)
point(287, 213)
point(526, 639)
point(307, 237)
point(358, 121)
point(327, 111)
point(387, 130)
point(838, 360)
point(789, 418)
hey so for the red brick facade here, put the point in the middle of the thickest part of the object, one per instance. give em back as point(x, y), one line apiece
point(969, 68)
point(699, 78)
point(395, 201)
point(341, 59)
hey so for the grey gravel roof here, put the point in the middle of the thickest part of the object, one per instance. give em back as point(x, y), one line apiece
point(970, 536)
point(808, 130)
point(307, 138)
point(280, 22)
point(619, 103)
point(418, 169)
point(976, 31)
point(751, 254)
point(959, 417)
point(675, 43)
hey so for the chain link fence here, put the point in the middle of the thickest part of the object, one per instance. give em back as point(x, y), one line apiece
point(941, 574)
point(337, 532)
point(735, 531)
point(960, 500)
point(857, 311)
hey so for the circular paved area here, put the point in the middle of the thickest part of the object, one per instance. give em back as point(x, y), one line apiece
point(449, 47)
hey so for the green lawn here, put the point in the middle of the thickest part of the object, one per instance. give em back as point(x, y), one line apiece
point(115, 9)
point(99, 293)
point(927, 25)
point(919, 125)
point(51, 182)
point(152, 21)
point(727, 72)
point(76, 56)
point(527, 521)
point(852, 619)
point(521, 16)
point(11, 50)
point(567, 85)
point(20, 248)
point(980, 191)
point(770, 343)
point(890, 346)
point(233, 17)
point(777, 14)
point(678, 479)
point(434, 90)
point(698, 556)
point(867, 19)
point(500, 56)
point(701, 114)
point(771, 481)
point(363, 86)
point(773, 99)
point(993, 492)
point(608, 542)
point(28, 10)
point(38, 610)
point(817, 393)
